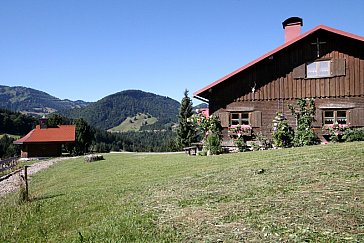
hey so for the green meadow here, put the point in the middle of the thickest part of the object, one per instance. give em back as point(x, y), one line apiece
point(301, 194)
point(134, 123)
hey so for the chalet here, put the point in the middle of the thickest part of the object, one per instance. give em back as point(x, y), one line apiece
point(46, 142)
point(324, 63)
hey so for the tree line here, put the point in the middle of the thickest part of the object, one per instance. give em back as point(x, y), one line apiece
point(88, 138)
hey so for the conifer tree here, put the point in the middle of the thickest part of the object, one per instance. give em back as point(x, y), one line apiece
point(185, 133)
point(84, 136)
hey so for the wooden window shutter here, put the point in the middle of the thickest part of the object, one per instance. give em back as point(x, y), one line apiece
point(338, 67)
point(356, 117)
point(318, 117)
point(300, 71)
point(256, 119)
point(224, 118)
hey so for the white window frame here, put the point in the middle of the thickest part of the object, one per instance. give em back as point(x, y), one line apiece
point(318, 69)
point(335, 119)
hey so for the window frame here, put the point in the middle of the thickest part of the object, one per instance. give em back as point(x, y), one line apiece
point(337, 67)
point(335, 118)
point(243, 118)
point(318, 69)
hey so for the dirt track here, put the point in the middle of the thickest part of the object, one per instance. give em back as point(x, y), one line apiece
point(12, 183)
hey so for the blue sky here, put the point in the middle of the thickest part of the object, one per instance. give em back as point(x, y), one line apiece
point(88, 49)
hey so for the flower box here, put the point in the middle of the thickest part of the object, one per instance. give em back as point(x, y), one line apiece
point(240, 130)
point(338, 129)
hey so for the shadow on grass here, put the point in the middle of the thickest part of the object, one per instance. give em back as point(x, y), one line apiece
point(40, 198)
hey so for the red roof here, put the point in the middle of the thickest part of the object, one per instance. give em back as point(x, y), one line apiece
point(62, 133)
point(319, 27)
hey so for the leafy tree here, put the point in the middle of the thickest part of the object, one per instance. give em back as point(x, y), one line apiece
point(7, 148)
point(186, 133)
point(84, 136)
point(56, 119)
point(15, 123)
point(305, 116)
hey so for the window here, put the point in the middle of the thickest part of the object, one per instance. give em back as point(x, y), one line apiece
point(335, 117)
point(241, 118)
point(318, 69)
point(341, 117)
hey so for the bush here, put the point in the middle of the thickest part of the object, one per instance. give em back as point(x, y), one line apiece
point(212, 143)
point(336, 131)
point(7, 148)
point(305, 116)
point(355, 134)
point(282, 133)
point(240, 143)
point(202, 153)
point(261, 142)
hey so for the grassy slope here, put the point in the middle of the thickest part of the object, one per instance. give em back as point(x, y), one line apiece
point(137, 123)
point(312, 193)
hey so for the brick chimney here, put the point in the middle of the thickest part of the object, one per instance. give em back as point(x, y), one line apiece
point(292, 28)
point(43, 122)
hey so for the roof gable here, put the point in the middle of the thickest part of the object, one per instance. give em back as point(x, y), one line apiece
point(282, 47)
point(62, 133)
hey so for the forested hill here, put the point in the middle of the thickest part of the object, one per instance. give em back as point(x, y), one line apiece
point(112, 110)
point(33, 101)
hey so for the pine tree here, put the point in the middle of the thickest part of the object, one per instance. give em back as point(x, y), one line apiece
point(185, 133)
point(84, 136)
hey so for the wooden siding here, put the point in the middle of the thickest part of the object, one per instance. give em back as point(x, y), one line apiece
point(287, 87)
point(41, 150)
point(274, 78)
point(277, 82)
point(264, 112)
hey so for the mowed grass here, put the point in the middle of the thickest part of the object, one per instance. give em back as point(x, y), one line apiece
point(301, 194)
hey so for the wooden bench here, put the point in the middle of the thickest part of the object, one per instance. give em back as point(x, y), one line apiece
point(191, 150)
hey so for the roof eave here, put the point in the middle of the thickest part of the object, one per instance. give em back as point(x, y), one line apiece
point(274, 51)
point(200, 98)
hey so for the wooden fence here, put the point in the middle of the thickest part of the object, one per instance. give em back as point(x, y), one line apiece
point(8, 163)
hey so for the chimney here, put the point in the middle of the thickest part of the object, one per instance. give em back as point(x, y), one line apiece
point(43, 122)
point(292, 28)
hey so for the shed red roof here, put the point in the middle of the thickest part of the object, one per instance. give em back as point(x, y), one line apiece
point(319, 27)
point(62, 133)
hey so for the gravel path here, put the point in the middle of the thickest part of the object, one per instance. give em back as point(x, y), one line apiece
point(12, 183)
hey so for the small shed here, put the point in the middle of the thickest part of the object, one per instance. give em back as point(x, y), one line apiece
point(46, 142)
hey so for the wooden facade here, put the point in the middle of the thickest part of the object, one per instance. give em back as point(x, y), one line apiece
point(266, 86)
point(46, 142)
point(41, 150)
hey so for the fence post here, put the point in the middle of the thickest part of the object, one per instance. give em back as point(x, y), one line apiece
point(26, 182)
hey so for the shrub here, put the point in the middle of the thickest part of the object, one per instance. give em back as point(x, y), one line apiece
point(305, 116)
point(202, 153)
point(213, 143)
point(261, 142)
point(354, 134)
point(335, 131)
point(210, 129)
point(240, 143)
point(283, 133)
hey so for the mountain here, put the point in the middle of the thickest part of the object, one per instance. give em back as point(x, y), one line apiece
point(112, 110)
point(33, 101)
point(201, 106)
